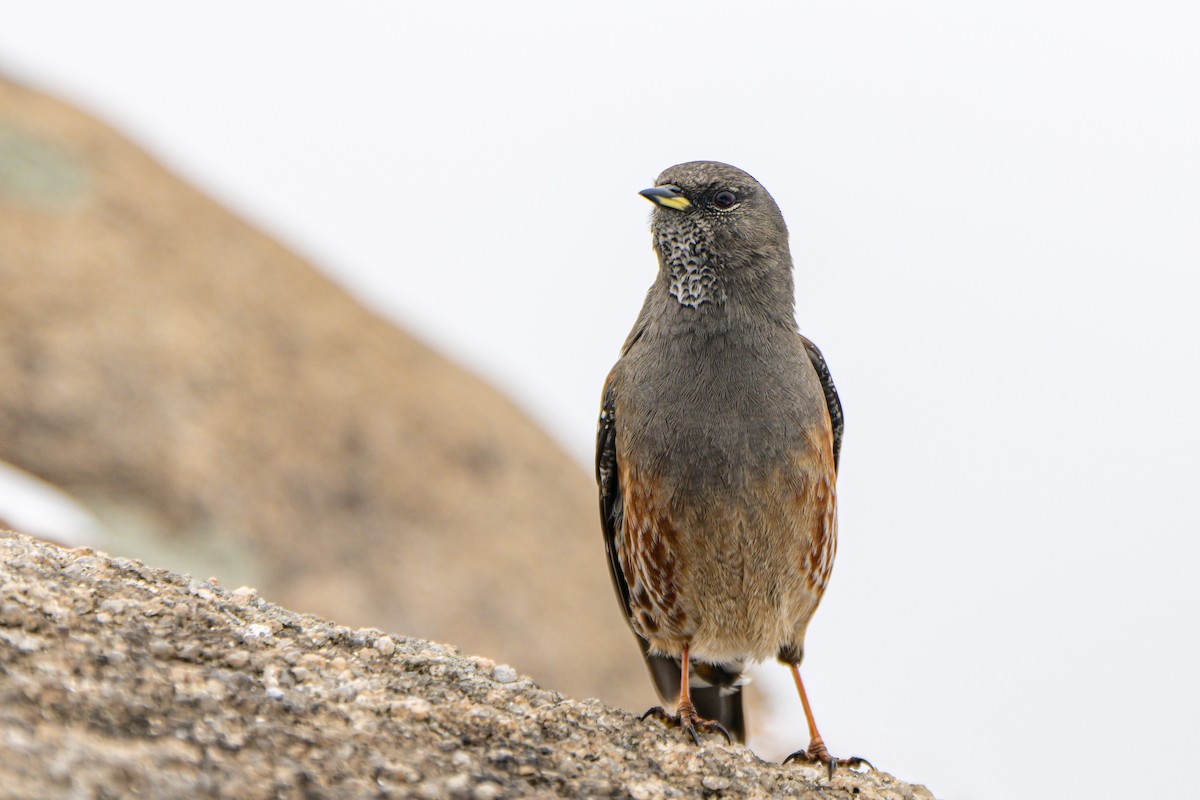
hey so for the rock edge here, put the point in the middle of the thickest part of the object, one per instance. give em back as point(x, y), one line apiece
point(119, 679)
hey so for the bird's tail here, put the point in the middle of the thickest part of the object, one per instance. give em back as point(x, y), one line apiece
point(716, 689)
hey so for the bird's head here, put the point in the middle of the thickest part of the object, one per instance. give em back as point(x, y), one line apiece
point(716, 227)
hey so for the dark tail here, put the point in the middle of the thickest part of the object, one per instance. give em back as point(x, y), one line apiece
point(715, 690)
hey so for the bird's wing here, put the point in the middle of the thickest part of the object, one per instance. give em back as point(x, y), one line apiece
point(716, 690)
point(612, 508)
point(836, 419)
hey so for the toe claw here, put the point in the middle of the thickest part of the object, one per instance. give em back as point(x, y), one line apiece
point(799, 755)
point(719, 728)
point(710, 726)
point(820, 755)
point(658, 712)
point(691, 723)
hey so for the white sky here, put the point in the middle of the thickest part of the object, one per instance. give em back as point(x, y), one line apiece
point(994, 213)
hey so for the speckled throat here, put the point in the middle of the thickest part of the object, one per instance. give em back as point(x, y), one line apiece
point(692, 280)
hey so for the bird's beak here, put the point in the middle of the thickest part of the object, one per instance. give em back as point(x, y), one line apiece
point(668, 196)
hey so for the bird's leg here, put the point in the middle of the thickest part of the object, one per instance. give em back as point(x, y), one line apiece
point(816, 752)
point(685, 715)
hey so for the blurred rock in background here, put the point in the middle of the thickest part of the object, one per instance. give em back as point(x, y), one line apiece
point(223, 409)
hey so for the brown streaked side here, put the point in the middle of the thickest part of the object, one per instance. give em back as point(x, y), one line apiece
point(649, 556)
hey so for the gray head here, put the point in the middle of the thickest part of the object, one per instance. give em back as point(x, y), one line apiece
point(720, 239)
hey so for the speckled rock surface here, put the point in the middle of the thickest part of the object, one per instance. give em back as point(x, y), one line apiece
point(117, 679)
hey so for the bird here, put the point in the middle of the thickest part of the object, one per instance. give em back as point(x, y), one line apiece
point(717, 452)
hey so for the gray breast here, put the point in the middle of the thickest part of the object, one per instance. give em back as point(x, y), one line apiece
point(712, 413)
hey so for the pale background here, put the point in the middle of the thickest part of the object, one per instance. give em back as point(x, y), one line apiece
point(995, 214)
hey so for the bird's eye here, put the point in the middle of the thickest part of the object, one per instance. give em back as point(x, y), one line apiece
point(724, 199)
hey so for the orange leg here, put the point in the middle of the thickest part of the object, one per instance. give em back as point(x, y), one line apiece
point(685, 715)
point(816, 752)
point(816, 745)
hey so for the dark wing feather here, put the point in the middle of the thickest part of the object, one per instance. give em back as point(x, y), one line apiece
point(721, 698)
point(612, 509)
point(831, 397)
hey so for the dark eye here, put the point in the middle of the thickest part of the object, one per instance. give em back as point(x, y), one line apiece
point(724, 199)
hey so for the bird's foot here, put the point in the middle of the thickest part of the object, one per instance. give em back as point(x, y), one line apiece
point(817, 754)
point(685, 717)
